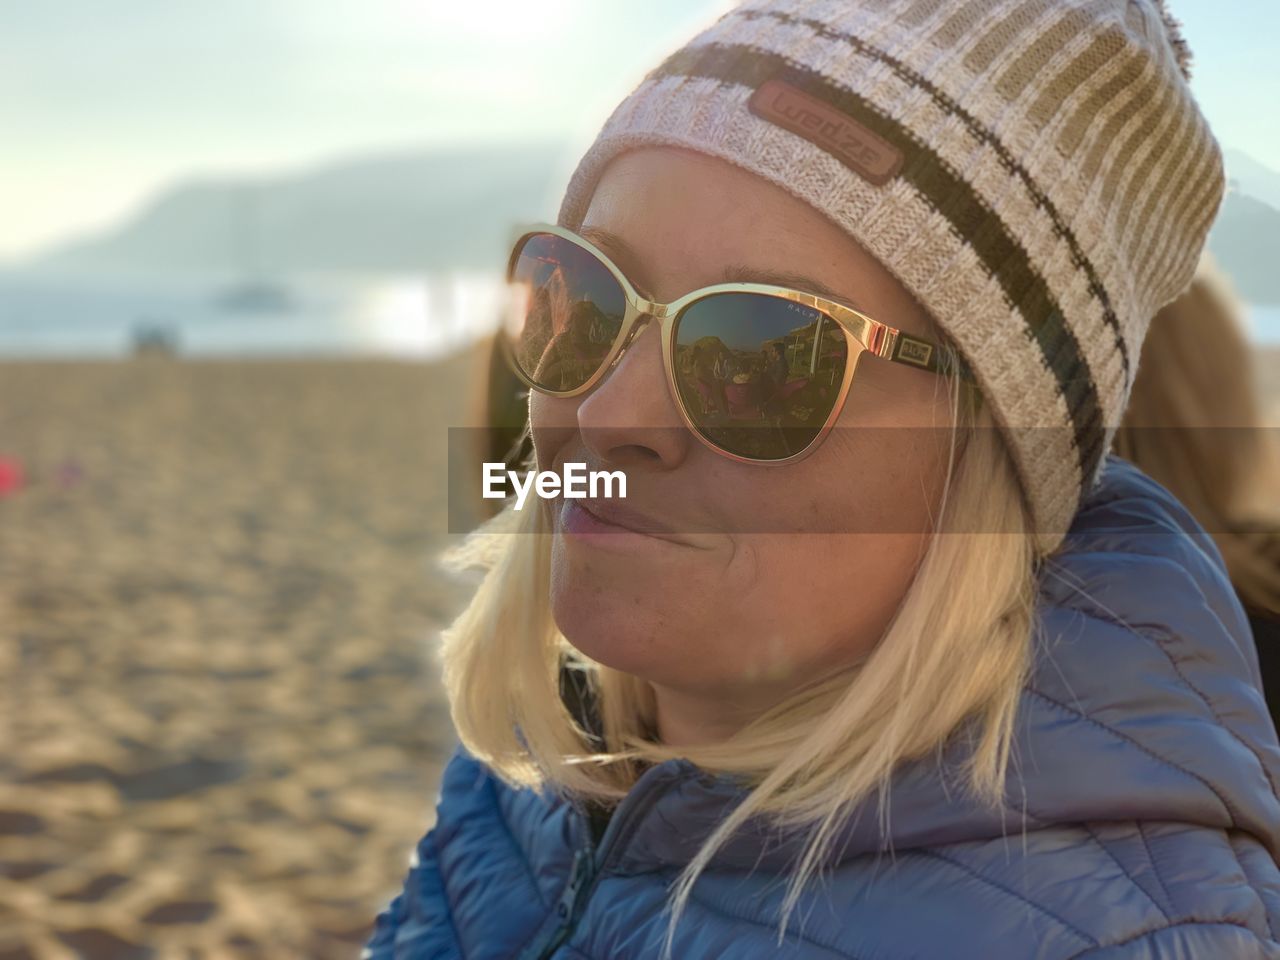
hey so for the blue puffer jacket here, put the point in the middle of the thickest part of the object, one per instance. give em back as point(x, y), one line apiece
point(1143, 821)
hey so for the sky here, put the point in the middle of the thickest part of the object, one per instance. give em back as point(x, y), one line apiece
point(102, 105)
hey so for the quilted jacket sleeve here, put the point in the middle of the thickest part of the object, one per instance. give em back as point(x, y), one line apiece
point(1185, 941)
point(416, 924)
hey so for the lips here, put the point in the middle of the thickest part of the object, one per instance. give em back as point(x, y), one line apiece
point(608, 515)
point(626, 518)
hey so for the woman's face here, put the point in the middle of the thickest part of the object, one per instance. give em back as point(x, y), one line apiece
point(720, 616)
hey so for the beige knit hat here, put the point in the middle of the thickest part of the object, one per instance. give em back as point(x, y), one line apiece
point(1035, 172)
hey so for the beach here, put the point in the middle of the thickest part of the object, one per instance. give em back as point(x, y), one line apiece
point(223, 719)
point(223, 723)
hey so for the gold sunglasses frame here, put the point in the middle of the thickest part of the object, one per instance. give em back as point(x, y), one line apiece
point(866, 336)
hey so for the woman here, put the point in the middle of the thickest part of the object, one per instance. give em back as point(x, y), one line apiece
point(928, 676)
point(709, 383)
point(1195, 424)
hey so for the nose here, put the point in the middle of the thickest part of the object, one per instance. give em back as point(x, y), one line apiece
point(630, 419)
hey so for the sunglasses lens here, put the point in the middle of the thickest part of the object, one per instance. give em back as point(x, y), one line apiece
point(567, 309)
point(758, 374)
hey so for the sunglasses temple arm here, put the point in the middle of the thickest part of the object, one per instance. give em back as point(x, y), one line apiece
point(923, 355)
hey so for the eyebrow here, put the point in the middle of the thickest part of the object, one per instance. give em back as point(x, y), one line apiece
point(733, 273)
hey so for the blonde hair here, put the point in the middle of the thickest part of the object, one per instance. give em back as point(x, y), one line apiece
point(957, 650)
point(1194, 425)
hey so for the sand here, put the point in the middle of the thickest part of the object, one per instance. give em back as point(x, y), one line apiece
point(222, 721)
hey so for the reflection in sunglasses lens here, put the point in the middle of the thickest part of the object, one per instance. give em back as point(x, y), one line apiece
point(758, 374)
point(568, 309)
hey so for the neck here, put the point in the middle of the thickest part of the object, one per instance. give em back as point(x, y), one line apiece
point(686, 719)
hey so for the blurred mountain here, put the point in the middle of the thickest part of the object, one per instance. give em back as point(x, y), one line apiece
point(1246, 240)
point(453, 208)
point(425, 211)
point(1253, 178)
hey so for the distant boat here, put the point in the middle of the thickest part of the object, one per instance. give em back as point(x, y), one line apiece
point(255, 293)
point(256, 296)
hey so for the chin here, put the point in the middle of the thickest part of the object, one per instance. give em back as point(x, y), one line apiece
point(623, 622)
point(604, 624)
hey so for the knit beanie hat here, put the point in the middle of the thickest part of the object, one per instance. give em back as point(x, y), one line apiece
point(1035, 172)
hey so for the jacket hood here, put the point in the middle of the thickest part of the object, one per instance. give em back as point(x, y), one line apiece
point(1144, 703)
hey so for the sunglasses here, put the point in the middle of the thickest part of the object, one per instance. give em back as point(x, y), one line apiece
point(759, 372)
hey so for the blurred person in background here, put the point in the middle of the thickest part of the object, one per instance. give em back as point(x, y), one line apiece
point(927, 674)
point(1195, 424)
point(499, 412)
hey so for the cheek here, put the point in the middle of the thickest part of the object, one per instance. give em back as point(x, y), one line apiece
point(830, 596)
point(889, 455)
point(872, 478)
point(871, 496)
